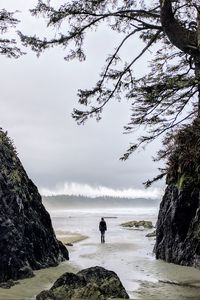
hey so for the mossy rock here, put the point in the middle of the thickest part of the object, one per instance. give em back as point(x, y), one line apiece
point(94, 283)
point(188, 181)
point(28, 241)
point(138, 224)
point(197, 231)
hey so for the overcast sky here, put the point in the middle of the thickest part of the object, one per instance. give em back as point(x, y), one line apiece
point(37, 99)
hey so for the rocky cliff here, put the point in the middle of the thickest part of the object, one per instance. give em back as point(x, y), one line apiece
point(27, 239)
point(178, 226)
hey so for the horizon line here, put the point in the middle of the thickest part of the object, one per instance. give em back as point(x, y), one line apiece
point(94, 191)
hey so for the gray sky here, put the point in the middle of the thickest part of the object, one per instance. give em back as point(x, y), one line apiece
point(37, 98)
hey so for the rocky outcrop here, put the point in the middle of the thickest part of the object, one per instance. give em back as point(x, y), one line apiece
point(151, 234)
point(27, 239)
point(138, 224)
point(178, 226)
point(92, 283)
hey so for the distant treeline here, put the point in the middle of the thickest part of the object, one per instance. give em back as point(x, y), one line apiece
point(62, 201)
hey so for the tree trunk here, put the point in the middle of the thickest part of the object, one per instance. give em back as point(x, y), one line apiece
point(179, 35)
point(185, 39)
point(197, 74)
point(197, 64)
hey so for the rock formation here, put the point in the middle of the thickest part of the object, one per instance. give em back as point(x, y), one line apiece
point(178, 226)
point(92, 283)
point(27, 239)
point(138, 224)
point(151, 234)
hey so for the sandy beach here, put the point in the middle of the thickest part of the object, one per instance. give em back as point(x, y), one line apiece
point(129, 253)
point(67, 237)
point(142, 275)
point(126, 251)
point(27, 289)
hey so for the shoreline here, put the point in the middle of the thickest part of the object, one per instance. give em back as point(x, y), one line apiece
point(27, 289)
point(67, 237)
point(126, 252)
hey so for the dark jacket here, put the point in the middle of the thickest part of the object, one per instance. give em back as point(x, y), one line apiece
point(102, 226)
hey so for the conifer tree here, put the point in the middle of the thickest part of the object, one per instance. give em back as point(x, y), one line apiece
point(164, 99)
point(8, 45)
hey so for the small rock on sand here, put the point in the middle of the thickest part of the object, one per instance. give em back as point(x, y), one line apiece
point(151, 234)
point(138, 224)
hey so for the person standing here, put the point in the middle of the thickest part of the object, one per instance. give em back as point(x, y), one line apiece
point(102, 229)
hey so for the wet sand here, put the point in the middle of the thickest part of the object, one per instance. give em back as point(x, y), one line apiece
point(171, 290)
point(127, 252)
point(27, 289)
point(67, 237)
point(142, 275)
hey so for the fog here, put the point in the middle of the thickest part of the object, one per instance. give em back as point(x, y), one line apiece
point(37, 99)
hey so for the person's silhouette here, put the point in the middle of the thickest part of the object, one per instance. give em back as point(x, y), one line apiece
point(102, 228)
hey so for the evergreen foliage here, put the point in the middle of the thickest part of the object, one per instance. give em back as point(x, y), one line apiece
point(183, 164)
point(8, 45)
point(162, 99)
point(168, 96)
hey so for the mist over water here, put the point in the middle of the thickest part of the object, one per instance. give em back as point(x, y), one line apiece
point(83, 202)
point(91, 191)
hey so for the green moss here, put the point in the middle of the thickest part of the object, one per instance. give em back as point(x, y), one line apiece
point(14, 176)
point(187, 180)
point(197, 231)
point(184, 181)
point(183, 153)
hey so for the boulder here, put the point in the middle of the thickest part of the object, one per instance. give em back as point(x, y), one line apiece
point(69, 244)
point(151, 234)
point(8, 284)
point(138, 224)
point(92, 283)
point(25, 272)
point(27, 239)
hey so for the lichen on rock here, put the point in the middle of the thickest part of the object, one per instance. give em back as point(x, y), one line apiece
point(93, 283)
